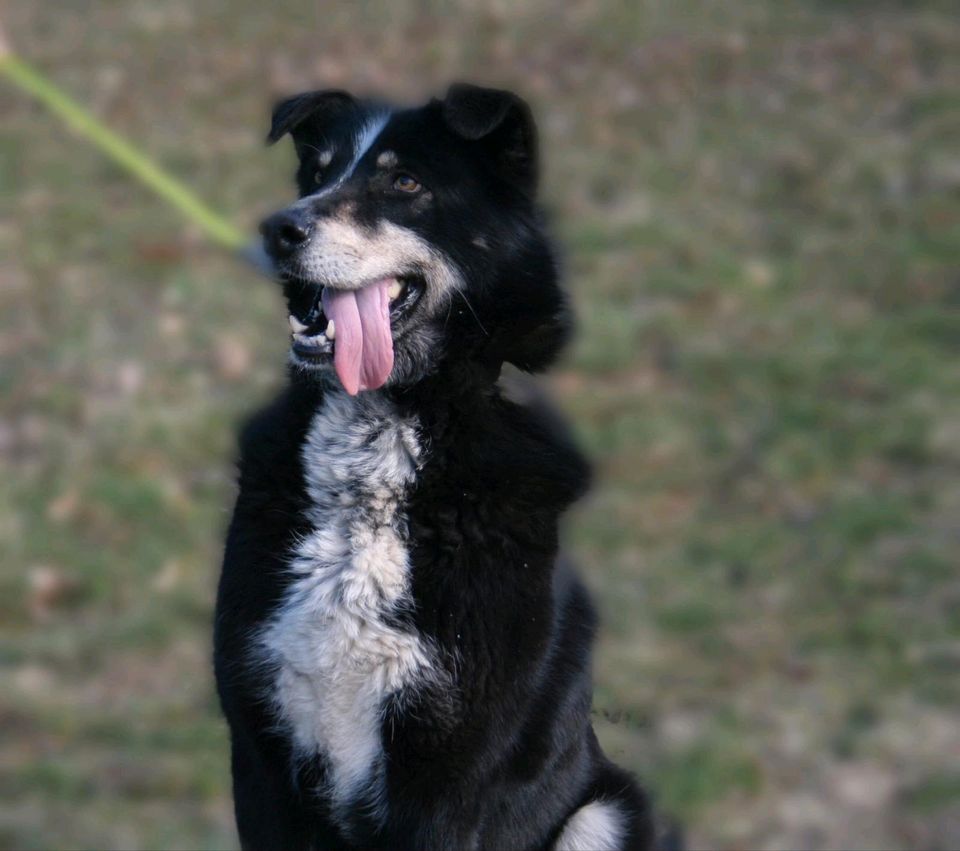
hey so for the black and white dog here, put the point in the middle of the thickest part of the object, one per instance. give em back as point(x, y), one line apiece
point(403, 659)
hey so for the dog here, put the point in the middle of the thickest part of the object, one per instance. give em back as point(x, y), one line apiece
point(401, 654)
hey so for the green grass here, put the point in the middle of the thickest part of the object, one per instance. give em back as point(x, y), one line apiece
point(934, 793)
point(760, 209)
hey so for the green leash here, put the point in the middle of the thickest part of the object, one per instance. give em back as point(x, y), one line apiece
point(216, 227)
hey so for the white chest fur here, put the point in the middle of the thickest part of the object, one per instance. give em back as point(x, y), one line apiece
point(336, 657)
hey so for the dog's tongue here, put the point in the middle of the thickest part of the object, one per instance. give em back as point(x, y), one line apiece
point(363, 345)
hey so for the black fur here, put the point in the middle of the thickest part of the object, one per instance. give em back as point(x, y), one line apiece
point(503, 758)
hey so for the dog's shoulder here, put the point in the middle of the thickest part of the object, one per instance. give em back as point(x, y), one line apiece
point(539, 447)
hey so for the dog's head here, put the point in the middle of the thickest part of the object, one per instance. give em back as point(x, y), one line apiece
point(416, 240)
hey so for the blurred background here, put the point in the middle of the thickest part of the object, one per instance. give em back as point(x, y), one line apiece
point(760, 208)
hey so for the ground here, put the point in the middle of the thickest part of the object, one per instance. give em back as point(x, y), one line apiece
point(760, 206)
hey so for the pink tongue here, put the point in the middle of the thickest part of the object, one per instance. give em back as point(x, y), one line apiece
point(363, 345)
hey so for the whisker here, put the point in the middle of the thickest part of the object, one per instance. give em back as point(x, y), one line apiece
point(467, 302)
point(446, 319)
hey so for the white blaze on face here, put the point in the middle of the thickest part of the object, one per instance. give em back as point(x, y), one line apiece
point(363, 139)
point(367, 135)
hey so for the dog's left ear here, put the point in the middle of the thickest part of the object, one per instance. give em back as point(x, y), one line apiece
point(502, 121)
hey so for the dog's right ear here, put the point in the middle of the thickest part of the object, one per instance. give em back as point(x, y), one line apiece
point(309, 110)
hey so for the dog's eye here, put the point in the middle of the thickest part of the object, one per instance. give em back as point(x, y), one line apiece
point(318, 176)
point(406, 183)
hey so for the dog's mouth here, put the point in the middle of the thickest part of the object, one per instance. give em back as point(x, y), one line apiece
point(354, 328)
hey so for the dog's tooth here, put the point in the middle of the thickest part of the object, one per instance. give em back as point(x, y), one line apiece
point(331, 330)
point(394, 290)
point(296, 325)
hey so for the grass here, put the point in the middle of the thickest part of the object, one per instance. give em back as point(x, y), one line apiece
point(760, 209)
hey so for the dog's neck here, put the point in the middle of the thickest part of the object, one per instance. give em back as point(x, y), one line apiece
point(454, 388)
point(463, 417)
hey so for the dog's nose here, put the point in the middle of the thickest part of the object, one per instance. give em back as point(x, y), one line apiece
point(285, 232)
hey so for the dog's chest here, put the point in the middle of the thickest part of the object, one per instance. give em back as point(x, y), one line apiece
point(337, 653)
